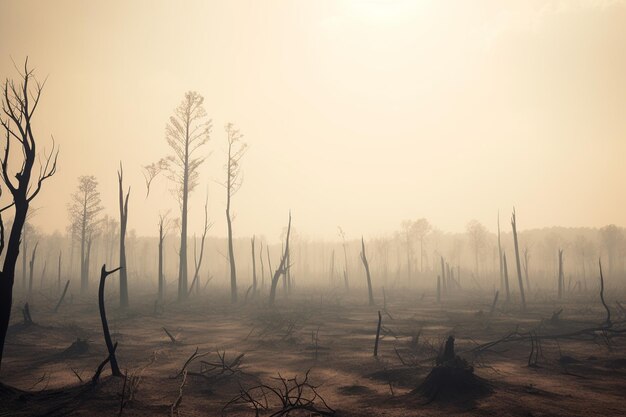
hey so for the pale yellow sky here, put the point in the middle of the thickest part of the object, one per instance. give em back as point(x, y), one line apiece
point(357, 113)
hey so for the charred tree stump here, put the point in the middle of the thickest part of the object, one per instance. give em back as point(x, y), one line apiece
point(115, 370)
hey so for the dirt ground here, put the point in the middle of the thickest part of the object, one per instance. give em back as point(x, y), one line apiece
point(329, 334)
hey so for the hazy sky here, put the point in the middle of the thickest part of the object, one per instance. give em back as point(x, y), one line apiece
point(357, 113)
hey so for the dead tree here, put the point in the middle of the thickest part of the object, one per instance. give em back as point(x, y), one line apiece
point(506, 277)
point(67, 284)
point(197, 260)
point(115, 370)
point(234, 179)
point(18, 103)
point(163, 226)
point(282, 268)
point(560, 277)
point(123, 202)
point(262, 267)
point(187, 130)
point(443, 276)
point(380, 320)
point(31, 269)
point(84, 209)
point(608, 312)
point(345, 259)
point(254, 284)
point(500, 254)
point(517, 261)
point(367, 272)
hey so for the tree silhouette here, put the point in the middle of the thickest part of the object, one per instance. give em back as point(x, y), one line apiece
point(84, 209)
point(234, 179)
point(187, 130)
point(18, 103)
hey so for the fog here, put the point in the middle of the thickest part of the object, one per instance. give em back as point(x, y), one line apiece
point(297, 208)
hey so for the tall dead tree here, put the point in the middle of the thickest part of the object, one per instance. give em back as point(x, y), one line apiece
point(517, 260)
point(282, 267)
point(500, 254)
point(234, 179)
point(506, 277)
point(163, 226)
point(345, 259)
point(123, 202)
point(187, 130)
point(526, 259)
point(367, 272)
point(84, 209)
point(18, 103)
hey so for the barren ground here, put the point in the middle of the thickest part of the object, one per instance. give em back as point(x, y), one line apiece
point(330, 334)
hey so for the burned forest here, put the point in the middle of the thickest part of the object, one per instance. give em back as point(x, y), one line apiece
point(327, 208)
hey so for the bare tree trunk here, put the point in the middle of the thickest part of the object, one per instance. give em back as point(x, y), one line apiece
point(84, 277)
point(526, 269)
point(182, 265)
point(198, 261)
point(282, 267)
point(161, 295)
point(367, 272)
point(115, 370)
point(262, 267)
point(517, 261)
point(123, 202)
point(31, 271)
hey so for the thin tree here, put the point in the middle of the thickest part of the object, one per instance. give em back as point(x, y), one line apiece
point(197, 260)
point(517, 260)
point(163, 226)
point(84, 209)
point(367, 272)
point(31, 269)
point(18, 104)
point(345, 258)
point(234, 180)
point(187, 130)
point(282, 267)
point(123, 202)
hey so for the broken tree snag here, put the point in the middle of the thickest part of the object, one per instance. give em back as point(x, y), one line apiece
point(560, 277)
point(517, 261)
point(380, 320)
point(493, 305)
point(506, 277)
point(115, 370)
point(282, 268)
point(452, 379)
point(367, 272)
point(67, 284)
point(123, 201)
point(608, 312)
